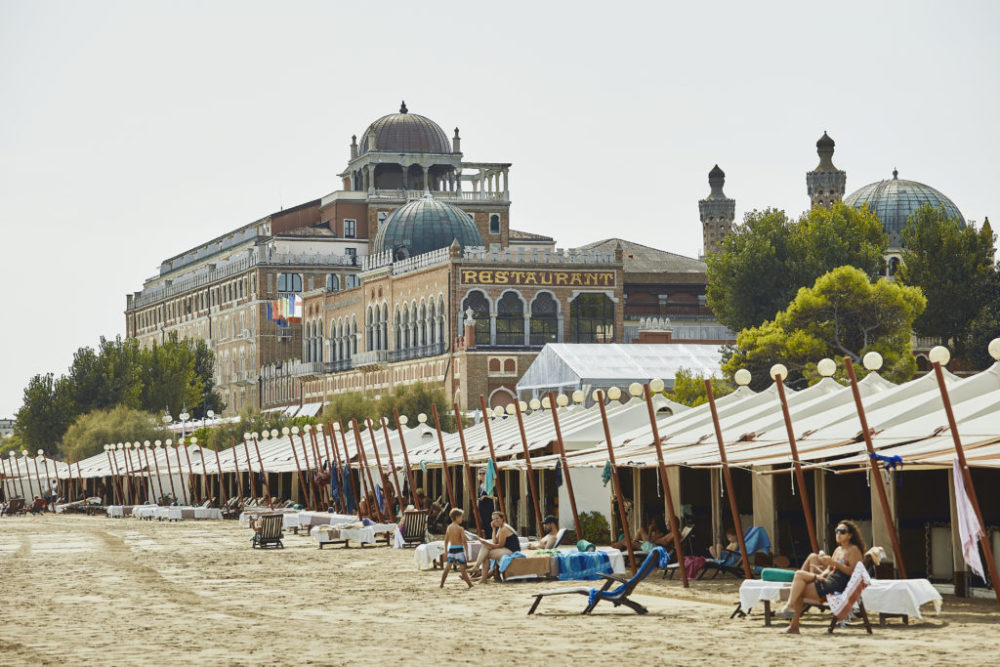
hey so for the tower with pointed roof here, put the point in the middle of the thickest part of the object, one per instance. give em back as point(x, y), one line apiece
point(717, 212)
point(825, 184)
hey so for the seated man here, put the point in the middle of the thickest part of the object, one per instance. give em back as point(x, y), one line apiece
point(547, 541)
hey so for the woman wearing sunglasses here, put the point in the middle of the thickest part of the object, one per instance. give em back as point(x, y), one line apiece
point(839, 567)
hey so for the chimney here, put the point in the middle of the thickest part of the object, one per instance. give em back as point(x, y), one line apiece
point(456, 143)
point(354, 146)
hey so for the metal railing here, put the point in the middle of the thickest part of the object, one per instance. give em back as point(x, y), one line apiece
point(418, 352)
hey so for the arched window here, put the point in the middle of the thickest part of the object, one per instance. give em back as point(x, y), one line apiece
point(510, 320)
point(289, 282)
point(592, 319)
point(893, 265)
point(480, 313)
point(494, 224)
point(332, 282)
point(544, 322)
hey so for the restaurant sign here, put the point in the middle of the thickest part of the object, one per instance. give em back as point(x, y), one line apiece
point(547, 278)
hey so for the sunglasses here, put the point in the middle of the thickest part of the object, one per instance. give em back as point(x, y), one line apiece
point(842, 531)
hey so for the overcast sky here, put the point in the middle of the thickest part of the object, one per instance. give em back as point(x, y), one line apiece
point(131, 131)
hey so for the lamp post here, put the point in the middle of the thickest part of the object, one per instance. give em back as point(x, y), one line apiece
point(183, 417)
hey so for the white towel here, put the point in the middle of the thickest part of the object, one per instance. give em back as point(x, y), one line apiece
point(968, 524)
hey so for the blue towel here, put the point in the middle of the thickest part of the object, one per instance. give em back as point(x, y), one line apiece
point(506, 559)
point(491, 478)
point(348, 493)
point(606, 473)
point(662, 560)
point(583, 565)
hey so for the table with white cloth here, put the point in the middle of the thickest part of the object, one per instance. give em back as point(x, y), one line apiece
point(887, 597)
point(119, 511)
point(343, 533)
point(149, 512)
point(307, 520)
point(254, 512)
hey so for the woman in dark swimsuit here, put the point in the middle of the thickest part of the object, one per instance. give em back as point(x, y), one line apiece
point(839, 567)
point(505, 542)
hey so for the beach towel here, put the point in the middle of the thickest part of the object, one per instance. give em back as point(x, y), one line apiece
point(968, 524)
point(659, 553)
point(693, 565)
point(506, 559)
point(583, 565)
point(491, 478)
point(842, 604)
point(379, 498)
point(334, 486)
point(348, 493)
point(559, 479)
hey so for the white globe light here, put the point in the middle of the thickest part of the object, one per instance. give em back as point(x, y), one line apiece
point(211, 414)
point(826, 367)
point(779, 369)
point(246, 436)
point(285, 430)
point(562, 400)
point(872, 361)
point(939, 355)
point(319, 427)
point(193, 440)
point(522, 406)
point(422, 418)
point(546, 403)
point(307, 428)
point(498, 411)
point(145, 443)
point(614, 393)
point(180, 441)
point(184, 416)
point(635, 389)
point(578, 396)
point(994, 348)
point(274, 433)
point(41, 452)
point(255, 435)
point(169, 442)
point(403, 421)
point(121, 446)
point(742, 377)
point(534, 404)
point(295, 430)
point(597, 395)
point(157, 443)
point(510, 408)
point(656, 385)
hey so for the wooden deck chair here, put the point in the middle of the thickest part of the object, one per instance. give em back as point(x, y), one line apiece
point(619, 596)
point(414, 527)
point(687, 536)
point(270, 533)
point(14, 506)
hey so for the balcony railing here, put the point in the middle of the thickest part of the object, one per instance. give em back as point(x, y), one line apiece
point(307, 369)
point(418, 352)
point(375, 358)
point(443, 195)
point(339, 365)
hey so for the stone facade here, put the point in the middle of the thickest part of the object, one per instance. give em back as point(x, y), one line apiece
point(716, 211)
point(825, 184)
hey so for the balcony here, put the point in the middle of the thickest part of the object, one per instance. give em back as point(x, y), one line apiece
point(339, 366)
point(419, 352)
point(371, 361)
point(307, 370)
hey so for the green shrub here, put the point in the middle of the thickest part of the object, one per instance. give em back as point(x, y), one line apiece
point(595, 528)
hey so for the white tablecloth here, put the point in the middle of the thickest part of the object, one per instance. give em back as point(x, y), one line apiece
point(309, 519)
point(119, 511)
point(149, 512)
point(425, 555)
point(883, 596)
point(364, 535)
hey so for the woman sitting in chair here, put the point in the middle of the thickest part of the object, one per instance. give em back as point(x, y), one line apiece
point(833, 579)
point(656, 534)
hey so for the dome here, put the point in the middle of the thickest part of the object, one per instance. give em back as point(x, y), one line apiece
point(424, 225)
point(896, 200)
point(405, 132)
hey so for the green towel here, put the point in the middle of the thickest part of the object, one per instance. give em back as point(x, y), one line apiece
point(776, 574)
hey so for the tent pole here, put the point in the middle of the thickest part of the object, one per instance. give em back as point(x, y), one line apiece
point(468, 480)
point(263, 475)
point(727, 478)
point(493, 454)
point(204, 473)
point(246, 451)
point(554, 407)
point(800, 478)
point(324, 490)
point(879, 486)
point(149, 476)
point(532, 484)
point(363, 460)
point(335, 462)
point(20, 479)
point(378, 462)
point(392, 463)
point(170, 472)
point(984, 539)
point(406, 460)
point(222, 486)
point(347, 467)
point(191, 484)
point(236, 465)
point(302, 481)
point(444, 458)
point(618, 486)
point(310, 479)
point(180, 470)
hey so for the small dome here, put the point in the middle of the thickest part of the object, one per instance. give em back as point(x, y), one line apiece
point(424, 225)
point(896, 200)
point(716, 173)
point(825, 141)
point(405, 132)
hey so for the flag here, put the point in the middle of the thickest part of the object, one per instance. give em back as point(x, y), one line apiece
point(491, 478)
point(968, 524)
point(559, 480)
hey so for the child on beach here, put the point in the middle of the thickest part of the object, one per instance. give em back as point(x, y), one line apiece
point(456, 547)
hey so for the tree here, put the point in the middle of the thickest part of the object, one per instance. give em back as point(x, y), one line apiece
point(986, 326)
point(763, 262)
point(689, 388)
point(91, 431)
point(168, 376)
point(46, 412)
point(843, 314)
point(954, 268)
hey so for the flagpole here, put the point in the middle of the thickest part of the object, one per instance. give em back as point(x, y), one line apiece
point(493, 455)
point(553, 406)
point(938, 356)
point(468, 480)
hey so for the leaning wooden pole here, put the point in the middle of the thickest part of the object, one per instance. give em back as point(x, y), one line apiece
point(879, 485)
point(323, 490)
point(263, 473)
point(378, 462)
point(471, 491)
point(310, 478)
point(20, 479)
point(363, 461)
point(222, 485)
point(334, 455)
point(444, 457)
point(800, 478)
point(180, 470)
point(204, 474)
point(532, 483)
point(347, 466)
point(298, 467)
point(554, 407)
point(170, 472)
point(493, 455)
point(246, 450)
point(194, 487)
point(406, 459)
point(236, 465)
point(79, 476)
point(129, 480)
point(392, 462)
point(618, 485)
point(115, 486)
point(970, 488)
point(726, 477)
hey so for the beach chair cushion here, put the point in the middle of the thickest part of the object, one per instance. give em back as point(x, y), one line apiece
point(776, 574)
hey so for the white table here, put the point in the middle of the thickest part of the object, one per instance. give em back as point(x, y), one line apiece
point(887, 597)
point(341, 533)
point(119, 511)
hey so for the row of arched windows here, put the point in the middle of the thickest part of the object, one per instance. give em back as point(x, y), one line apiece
point(516, 322)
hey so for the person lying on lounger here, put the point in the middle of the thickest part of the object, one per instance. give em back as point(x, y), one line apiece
point(656, 534)
point(832, 579)
point(717, 551)
point(548, 541)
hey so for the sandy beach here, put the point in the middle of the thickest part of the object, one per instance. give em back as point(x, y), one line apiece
point(92, 590)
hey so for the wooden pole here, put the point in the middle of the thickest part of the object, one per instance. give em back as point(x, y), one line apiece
point(263, 474)
point(324, 491)
point(79, 476)
point(129, 481)
point(726, 477)
point(170, 474)
point(302, 480)
point(471, 490)
point(236, 465)
point(204, 473)
point(970, 488)
point(444, 458)
point(368, 471)
point(149, 470)
point(136, 479)
point(246, 450)
point(553, 406)
point(335, 462)
point(618, 486)
point(218, 465)
point(879, 486)
point(532, 484)
point(803, 492)
point(180, 469)
point(392, 462)
point(356, 488)
point(20, 479)
point(114, 481)
point(194, 487)
point(8, 477)
point(310, 479)
point(378, 462)
point(406, 459)
point(493, 454)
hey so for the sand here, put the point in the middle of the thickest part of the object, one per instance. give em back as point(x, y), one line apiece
point(92, 590)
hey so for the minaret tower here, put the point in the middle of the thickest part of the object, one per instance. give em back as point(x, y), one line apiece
point(717, 212)
point(825, 184)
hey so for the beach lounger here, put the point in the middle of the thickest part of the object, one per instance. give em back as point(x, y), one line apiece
point(756, 540)
point(270, 533)
point(841, 605)
point(414, 527)
point(38, 506)
point(687, 536)
point(15, 506)
point(620, 596)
